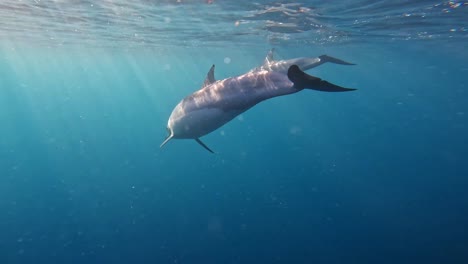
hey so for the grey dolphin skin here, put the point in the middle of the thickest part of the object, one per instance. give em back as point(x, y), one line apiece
point(270, 64)
point(218, 102)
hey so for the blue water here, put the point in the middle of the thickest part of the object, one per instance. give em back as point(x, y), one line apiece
point(378, 175)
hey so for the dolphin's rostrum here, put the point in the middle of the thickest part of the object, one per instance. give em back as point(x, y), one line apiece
point(218, 102)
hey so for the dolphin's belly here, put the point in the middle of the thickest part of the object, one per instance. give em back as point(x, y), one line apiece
point(197, 123)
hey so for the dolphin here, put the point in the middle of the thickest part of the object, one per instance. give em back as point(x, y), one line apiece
point(304, 63)
point(218, 102)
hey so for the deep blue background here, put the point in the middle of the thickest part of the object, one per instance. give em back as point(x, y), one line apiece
point(374, 176)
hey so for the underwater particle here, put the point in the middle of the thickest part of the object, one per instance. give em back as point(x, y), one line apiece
point(295, 130)
point(215, 225)
point(167, 67)
point(167, 20)
point(240, 118)
point(227, 60)
point(222, 133)
point(237, 23)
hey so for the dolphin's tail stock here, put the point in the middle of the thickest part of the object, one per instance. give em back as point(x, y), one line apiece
point(326, 58)
point(302, 80)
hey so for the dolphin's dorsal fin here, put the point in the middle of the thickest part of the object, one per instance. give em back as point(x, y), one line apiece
point(269, 57)
point(210, 79)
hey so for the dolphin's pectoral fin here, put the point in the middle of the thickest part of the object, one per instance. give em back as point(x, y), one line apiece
point(326, 58)
point(210, 77)
point(302, 80)
point(203, 145)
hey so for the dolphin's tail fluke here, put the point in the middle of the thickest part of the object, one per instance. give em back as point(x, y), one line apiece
point(302, 80)
point(326, 58)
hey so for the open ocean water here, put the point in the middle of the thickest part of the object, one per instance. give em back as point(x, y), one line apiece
point(378, 175)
